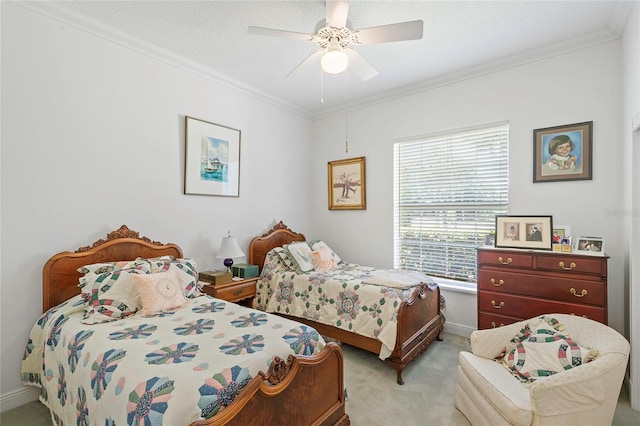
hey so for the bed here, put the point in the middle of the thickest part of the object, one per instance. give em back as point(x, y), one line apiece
point(397, 322)
point(208, 362)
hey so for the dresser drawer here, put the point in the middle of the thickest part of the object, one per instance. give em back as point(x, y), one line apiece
point(238, 292)
point(492, 321)
point(506, 259)
point(542, 286)
point(573, 265)
point(527, 307)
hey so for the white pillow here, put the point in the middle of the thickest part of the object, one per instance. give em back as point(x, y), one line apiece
point(301, 253)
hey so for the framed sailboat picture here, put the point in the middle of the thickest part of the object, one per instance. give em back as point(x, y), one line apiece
point(212, 159)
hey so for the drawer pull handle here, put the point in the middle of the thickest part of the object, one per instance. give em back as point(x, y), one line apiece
point(497, 284)
point(493, 324)
point(508, 261)
point(500, 306)
point(583, 293)
point(237, 292)
point(571, 266)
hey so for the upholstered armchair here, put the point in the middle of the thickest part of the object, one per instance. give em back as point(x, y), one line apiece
point(487, 392)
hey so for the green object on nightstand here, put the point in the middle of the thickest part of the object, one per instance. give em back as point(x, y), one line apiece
point(244, 270)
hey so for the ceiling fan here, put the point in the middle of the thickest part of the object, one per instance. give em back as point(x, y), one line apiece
point(337, 41)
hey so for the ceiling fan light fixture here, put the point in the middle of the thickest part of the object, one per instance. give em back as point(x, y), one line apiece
point(334, 61)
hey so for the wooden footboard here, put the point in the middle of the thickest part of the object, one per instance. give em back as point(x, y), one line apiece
point(276, 397)
point(419, 324)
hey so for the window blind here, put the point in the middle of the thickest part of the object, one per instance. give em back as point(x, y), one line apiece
point(448, 188)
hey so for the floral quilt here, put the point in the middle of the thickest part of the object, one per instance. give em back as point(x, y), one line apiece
point(171, 369)
point(340, 297)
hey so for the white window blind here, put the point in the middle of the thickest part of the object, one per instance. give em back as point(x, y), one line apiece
point(448, 188)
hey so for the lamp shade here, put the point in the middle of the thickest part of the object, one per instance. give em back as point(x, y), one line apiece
point(229, 248)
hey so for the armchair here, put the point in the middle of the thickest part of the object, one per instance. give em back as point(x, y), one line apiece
point(488, 394)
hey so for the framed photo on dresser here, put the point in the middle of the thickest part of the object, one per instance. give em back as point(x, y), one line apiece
point(524, 232)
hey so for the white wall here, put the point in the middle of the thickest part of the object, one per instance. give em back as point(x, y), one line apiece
point(631, 213)
point(93, 138)
point(583, 85)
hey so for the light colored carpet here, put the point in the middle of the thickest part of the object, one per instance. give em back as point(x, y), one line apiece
point(426, 398)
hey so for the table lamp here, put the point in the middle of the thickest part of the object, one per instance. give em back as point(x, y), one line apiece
point(228, 250)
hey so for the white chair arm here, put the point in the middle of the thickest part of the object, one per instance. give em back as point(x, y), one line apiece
point(491, 342)
point(575, 390)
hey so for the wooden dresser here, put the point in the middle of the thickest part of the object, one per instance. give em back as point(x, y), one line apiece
point(518, 284)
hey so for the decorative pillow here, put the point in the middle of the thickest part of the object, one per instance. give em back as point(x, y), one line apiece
point(159, 292)
point(301, 253)
point(323, 261)
point(322, 246)
point(100, 268)
point(544, 351)
point(186, 269)
point(285, 259)
point(110, 296)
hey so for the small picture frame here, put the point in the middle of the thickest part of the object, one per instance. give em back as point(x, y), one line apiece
point(563, 153)
point(590, 245)
point(524, 232)
point(347, 187)
point(490, 240)
point(560, 232)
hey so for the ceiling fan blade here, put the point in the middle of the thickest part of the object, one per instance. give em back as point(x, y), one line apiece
point(337, 11)
point(278, 33)
point(359, 65)
point(411, 30)
point(309, 61)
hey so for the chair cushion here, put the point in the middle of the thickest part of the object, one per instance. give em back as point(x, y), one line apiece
point(499, 387)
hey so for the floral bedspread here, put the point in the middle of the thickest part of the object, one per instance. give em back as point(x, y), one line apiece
point(338, 297)
point(170, 369)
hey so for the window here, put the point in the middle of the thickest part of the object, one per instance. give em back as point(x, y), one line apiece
point(448, 188)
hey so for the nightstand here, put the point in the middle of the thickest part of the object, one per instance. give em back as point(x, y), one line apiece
point(242, 292)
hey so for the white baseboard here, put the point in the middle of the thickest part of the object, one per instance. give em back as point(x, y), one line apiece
point(18, 397)
point(458, 329)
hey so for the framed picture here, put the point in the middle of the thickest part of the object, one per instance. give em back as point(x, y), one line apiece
point(560, 232)
point(212, 159)
point(563, 153)
point(490, 240)
point(590, 245)
point(347, 189)
point(525, 232)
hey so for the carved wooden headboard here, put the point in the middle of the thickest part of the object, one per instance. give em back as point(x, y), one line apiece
point(279, 235)
point(60, 274)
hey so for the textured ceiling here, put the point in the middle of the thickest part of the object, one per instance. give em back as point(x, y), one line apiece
point(460, 37)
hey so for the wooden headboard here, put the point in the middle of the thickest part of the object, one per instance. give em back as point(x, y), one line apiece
point(60, 274)
point(279, 235)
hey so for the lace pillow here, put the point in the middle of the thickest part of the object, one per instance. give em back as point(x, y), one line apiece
point(542, 351)
point(159, 292)
point(185, 268)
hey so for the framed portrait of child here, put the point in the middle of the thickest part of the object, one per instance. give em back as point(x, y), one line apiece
point(563, 152)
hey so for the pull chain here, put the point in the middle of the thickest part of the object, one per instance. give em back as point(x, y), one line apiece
point(346, 132)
